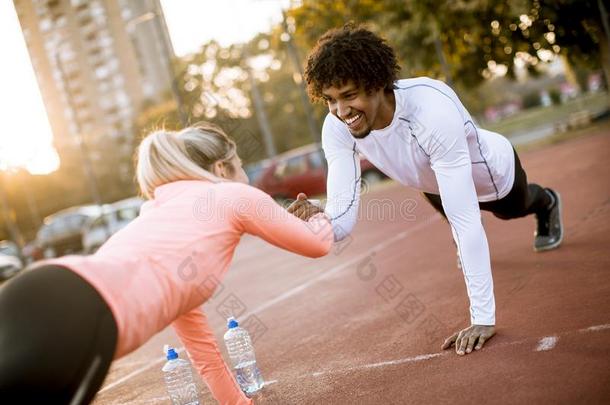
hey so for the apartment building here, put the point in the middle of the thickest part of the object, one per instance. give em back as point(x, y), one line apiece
point(97, 63)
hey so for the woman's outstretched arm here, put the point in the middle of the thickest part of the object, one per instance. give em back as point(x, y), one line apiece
point(256, 213)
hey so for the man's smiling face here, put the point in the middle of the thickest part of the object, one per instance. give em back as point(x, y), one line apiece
point(358, 109)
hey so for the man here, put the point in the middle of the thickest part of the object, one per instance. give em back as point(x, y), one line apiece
point(418, 133)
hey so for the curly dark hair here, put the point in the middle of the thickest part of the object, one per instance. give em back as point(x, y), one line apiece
point(350, 53)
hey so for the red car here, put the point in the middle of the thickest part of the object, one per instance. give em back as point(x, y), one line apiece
point(303, 170)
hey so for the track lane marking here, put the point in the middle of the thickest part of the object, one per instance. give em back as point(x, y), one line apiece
point(413, 359)
point(595, 328)
point(547, 343)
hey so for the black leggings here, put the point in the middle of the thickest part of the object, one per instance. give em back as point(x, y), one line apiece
point(57, 338)
point(523, 199)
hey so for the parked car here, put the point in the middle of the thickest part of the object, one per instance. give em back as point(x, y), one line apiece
point(115, 216)
point(304, 170)
point(61, 233)
point(32, 252)
point(255, 171)
point(10, 261)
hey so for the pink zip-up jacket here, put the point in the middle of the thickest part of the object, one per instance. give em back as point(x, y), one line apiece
point(164, 265)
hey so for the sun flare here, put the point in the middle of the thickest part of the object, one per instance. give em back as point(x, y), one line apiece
point(25, 134)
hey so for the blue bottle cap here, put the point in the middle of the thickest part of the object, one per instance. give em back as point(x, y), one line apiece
point(232, 323)
point(171, 354)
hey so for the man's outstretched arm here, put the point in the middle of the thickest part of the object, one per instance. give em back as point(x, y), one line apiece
point(342, 183)
point(449, 155)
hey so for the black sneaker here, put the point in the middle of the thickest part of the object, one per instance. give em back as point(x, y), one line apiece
point(549, 232)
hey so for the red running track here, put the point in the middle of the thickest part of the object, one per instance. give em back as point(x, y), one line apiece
point(364, 325)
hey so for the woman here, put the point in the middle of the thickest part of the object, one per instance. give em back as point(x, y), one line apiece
point(62, 323)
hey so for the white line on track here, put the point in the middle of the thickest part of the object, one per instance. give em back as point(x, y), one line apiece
point(544, 344)
point(596, 328)
point(413, 359)
point(402, 361)
point(547, 343)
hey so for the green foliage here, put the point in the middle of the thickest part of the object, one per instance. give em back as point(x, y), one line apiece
point(474, 34)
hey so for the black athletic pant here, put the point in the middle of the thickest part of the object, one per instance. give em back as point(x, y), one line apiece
point(57, 338)
point(523, 199)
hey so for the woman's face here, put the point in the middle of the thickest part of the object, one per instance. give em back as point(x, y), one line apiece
point(232, 170)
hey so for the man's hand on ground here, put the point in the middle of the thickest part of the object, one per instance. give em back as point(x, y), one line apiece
point(473, 337)
point(302, 208)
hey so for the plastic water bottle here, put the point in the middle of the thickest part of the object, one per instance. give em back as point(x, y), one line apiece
point(179, 381)
point(241, 352)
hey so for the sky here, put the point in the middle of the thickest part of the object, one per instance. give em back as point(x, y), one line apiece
point(192, 23)
point(25, 134)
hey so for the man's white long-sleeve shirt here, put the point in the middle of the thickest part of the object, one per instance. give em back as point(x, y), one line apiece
point(432, 145)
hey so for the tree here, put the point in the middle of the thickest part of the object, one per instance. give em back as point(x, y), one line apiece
point(215, 87)
point(574, 29)
point(475, 35)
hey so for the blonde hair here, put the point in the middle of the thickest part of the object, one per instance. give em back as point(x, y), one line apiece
point(189, 154)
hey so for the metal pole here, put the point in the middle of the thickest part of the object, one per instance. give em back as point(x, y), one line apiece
point(314, 129)
point(261, 116)
point(438, 45)
point(259, 107)
point(442, 60)
point(604, 16)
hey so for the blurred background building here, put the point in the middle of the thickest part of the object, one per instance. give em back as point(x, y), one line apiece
point(98, 64)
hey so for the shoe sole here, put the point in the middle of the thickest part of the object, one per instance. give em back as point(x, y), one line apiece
point(556, 244)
